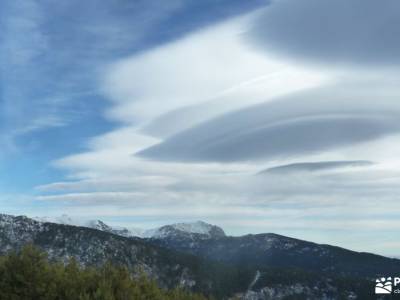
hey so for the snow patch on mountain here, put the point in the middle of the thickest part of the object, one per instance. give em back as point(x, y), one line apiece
point(201, 228)
point(100, 225)
point(63, 219)
point(196, 227)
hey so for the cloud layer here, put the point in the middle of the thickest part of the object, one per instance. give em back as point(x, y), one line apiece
point(316, 166)
point(300, 124)
point(356, 32)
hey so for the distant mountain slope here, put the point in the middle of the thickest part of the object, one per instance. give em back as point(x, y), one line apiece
point(200, 257)
point(94, 247)
point(263, 250)
point(272, 250)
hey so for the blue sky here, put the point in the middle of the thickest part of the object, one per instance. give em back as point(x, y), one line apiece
point(143, 113)
point(50, 104)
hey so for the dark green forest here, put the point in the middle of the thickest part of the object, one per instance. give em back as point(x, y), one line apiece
point(29, 275)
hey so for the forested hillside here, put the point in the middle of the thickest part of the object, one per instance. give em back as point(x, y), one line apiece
point(28, 275)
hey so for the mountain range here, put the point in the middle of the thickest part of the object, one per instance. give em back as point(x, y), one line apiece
point(198, 227)
point(202, 258)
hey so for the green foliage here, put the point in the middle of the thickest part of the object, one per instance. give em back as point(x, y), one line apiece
point(28, 275)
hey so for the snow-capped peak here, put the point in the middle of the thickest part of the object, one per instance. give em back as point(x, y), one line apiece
point(195, 227)
point(63, 219)
point(199, 227)
point(100, 225)
point(97, 224)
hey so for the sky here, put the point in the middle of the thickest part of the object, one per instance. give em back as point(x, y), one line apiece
point(258, 116)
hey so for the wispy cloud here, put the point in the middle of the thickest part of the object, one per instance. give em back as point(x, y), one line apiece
point(200, 72)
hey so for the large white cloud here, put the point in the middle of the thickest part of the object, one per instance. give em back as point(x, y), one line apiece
point(213, 67)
